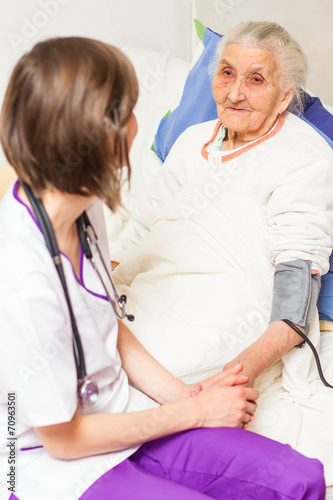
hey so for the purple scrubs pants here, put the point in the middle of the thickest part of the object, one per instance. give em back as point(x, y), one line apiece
point(221, 463)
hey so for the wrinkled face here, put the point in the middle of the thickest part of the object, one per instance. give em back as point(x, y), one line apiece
point(247, 92)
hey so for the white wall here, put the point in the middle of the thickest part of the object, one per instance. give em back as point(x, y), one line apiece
point(309, 21)
point(155, 24)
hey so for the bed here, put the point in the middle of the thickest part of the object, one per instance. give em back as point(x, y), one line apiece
point(288, 417)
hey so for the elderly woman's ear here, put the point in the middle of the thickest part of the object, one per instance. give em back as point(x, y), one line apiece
point(287, 97)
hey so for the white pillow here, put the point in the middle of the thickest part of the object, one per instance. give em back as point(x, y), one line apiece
point(161, 80)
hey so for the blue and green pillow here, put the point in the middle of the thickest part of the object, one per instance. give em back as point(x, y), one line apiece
point(197, 104)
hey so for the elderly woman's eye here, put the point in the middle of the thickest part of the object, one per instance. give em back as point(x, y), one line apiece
point(257, 79)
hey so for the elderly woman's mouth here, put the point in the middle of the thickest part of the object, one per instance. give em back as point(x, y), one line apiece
point(238, 110)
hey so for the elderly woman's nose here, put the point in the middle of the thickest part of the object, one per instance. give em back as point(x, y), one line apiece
point(237, 90)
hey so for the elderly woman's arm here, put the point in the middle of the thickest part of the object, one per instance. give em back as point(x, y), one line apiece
point(300, 229)
point(276, 341)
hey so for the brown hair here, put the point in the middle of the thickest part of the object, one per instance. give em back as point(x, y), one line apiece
point(63, 121)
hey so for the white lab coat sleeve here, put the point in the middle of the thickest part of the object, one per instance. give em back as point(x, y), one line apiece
point(300, 212)
point(36, 356)
point(165, 184)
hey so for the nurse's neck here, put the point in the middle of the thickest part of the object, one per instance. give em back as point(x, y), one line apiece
point(64, 209)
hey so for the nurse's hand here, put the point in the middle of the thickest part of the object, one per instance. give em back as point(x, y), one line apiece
point(226, 377)
point(178, 391)
point(223, 405)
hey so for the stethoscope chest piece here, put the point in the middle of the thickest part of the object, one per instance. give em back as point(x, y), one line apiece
point(87, 393)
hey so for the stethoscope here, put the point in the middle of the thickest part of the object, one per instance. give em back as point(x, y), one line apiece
point(87, 390)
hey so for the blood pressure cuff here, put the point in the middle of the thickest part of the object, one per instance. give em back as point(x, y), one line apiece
point(295, 293)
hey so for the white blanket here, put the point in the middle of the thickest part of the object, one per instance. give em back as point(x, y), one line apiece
point(200, 286)
point(192, 325)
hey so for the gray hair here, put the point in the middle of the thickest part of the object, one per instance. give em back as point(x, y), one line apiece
point(287, 52)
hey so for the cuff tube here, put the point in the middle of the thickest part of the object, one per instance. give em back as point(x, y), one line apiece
point(295, 293)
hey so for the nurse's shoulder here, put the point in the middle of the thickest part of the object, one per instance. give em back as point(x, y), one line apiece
point(23, 252)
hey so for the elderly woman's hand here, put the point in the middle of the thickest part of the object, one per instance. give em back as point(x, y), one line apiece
point(248, 372)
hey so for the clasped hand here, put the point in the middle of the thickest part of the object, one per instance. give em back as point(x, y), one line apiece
point(223, 400)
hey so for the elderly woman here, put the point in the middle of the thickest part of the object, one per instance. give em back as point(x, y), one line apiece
point(234, 236)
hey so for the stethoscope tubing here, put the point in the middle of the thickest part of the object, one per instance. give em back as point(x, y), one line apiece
point(51, 243)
